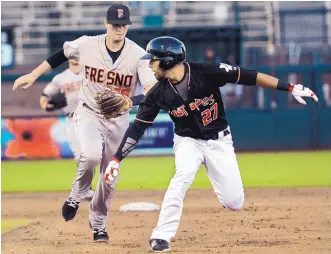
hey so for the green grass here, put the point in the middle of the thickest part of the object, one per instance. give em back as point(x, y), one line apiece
point(7, 225)
point(257, 170)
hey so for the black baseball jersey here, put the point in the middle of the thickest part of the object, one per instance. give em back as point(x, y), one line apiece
point(202, 115)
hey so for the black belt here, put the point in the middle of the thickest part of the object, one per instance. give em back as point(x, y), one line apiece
point(215, 136)
point(87, 106)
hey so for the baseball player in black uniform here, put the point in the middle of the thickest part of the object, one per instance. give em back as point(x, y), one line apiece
point(190, 93)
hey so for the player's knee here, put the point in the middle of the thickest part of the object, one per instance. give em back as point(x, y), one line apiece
point(184, 176)
point(233, 203)
point(92, 160)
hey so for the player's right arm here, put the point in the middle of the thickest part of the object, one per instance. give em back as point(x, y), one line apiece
point(43, 101)
point(50, 89)
point(70, 50)
point(147, 112)
point(52, 62)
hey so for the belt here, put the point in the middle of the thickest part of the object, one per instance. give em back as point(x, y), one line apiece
point(87, 106)
point(70, 115)
point(217, 135)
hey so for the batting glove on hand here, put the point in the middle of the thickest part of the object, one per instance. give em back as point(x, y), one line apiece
point(112, 171)
point(299, 91)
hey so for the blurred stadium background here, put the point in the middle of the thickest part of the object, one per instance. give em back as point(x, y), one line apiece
point(291, 40)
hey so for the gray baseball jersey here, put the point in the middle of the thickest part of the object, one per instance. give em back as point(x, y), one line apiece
point(100, 71)
point(69, 83)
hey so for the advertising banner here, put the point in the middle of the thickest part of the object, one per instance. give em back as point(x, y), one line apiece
point(45, 137)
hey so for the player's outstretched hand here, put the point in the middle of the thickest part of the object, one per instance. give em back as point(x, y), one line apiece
point(112, 171)
point(24, 81)
point(300, 91)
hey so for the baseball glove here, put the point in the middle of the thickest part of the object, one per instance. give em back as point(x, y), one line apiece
point(56, 101)
point(113, 103)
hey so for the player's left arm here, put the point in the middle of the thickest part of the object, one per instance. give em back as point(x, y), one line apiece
point(147, 112)
point(298, 91)
point(238, 75)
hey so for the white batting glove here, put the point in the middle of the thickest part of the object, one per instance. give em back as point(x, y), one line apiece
point(112, 171)
point(300, 91)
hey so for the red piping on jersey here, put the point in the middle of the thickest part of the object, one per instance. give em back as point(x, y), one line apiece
point(143, 121)
point(238, 75)
point(172, 86)
point(189, 76)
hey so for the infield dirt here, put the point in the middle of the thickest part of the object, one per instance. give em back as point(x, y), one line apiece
point(273, 220)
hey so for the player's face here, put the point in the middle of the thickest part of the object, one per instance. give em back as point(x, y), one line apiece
point(116, 32)
point(73, 62)
point(158, 72)
point(74, 66)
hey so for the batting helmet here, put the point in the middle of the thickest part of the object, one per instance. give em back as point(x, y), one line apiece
point(169, 50)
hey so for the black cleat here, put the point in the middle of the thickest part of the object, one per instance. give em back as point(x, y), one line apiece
point(159, 245)
point(100, 235)
point(69, 209)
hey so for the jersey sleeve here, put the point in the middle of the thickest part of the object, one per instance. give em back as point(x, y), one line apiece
point(148, 108)
point(221, 74)
point(52, 87)
point(145, 73)
point(72, 48)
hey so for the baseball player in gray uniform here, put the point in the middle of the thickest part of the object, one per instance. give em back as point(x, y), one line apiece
point(109, 59)
point(62, 94)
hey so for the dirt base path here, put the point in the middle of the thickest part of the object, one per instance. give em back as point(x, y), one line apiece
point(272, 221)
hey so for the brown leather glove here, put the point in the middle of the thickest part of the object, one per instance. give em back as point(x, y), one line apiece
point(113, 103)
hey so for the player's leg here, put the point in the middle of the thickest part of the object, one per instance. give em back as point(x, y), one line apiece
point(223, 172)
point(71, 136)
point(74, 146)
point(87, 128)
point(114, 130)
point(188, 159)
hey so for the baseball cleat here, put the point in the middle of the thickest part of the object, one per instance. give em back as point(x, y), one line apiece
point(159, 245)
point(100, 235)
point(69, 209)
